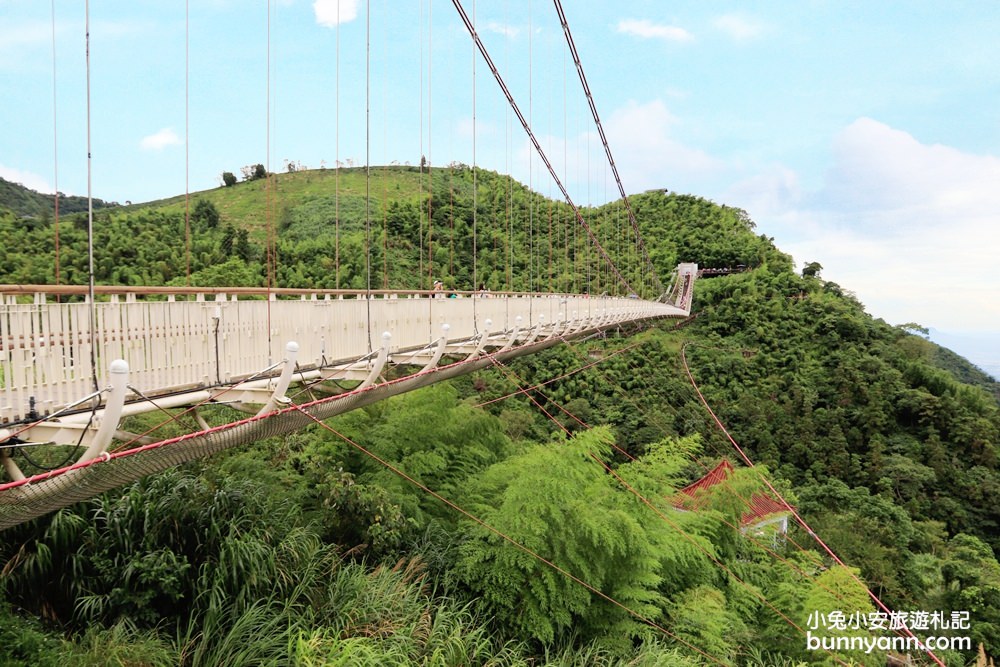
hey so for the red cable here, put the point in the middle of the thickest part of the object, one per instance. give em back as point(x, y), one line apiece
point(711, 557)
point(801, 521)
point(676, 527)
point(555, 379)
point(507, 538)
point(627, 455)
point(743, 500)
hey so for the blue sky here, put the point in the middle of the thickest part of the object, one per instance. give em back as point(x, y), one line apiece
point(864, 136)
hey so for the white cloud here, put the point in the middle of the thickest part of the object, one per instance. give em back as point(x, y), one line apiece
point(649, 30)
point(27, 179)
point(647, 153)
point(739, 27)
point(26, 34)
point(463, 128)
point(910, 227)
point(160, 140)
point(501, 29)
point(331, 12)
point(878, 169)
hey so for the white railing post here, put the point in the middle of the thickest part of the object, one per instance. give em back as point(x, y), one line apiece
point(118, 375)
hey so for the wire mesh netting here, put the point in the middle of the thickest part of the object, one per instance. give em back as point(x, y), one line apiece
point(39, 495)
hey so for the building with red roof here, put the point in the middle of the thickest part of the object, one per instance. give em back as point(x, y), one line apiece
point(762, 510)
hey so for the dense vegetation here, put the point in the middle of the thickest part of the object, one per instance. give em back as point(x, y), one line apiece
point(418, 225)
point(304, 550)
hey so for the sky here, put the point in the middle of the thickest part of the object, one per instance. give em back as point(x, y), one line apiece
point(861, 135)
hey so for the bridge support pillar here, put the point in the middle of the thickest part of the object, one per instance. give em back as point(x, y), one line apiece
point(383, 356)
point(291, 352)
point(513, 336)
point(536, 331)
point(118, 375)
point(483, 338)
point(442, 345)
point(13, 471)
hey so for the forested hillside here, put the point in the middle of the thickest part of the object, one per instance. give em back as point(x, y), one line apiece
point(569, 548)
point(27, 203)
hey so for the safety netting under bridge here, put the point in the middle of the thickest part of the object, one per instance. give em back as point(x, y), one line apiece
point(47, 492)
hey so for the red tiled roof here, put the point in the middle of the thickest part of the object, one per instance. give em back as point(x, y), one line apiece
point(717, 474)
point(759, 504)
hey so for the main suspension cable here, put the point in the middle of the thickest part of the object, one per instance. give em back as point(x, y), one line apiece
point(531, 135)
point(604, 140)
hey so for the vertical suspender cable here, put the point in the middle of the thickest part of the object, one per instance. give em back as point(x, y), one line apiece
point(267, 181)
point(90, 221)
point(571, 269)
point(430, 174)
point(590, 205)
point(531, 161)
point(385, 147)
point(509, 189)
point(602, 271)
point(550, 246)
point(640, 246)
point(475, 189)
point(187, 148)
point(451, 222)
point(568, 283)
point(420, 221)
point(336, 175)
point(368, 168)
point(566, 288)
point(55, 142)
point(532, 137)
point(618, 225)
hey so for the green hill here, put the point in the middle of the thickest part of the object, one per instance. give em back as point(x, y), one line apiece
point(26, 203)
point(419, 227)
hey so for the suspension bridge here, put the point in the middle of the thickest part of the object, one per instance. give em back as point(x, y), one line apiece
point(169, 348)
point(77, 360)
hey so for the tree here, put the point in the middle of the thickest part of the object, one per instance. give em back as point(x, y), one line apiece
point(205, 213)
point(560, 503)
point(914, 329)
point(228, 178)
point(253, 172)
point(811, 270)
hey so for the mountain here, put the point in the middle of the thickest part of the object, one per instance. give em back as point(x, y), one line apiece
point(982, 348)
point(26, 203)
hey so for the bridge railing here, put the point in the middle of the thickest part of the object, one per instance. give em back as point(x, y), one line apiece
point(178, 339)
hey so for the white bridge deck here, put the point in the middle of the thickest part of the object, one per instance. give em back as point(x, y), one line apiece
point(174, 342)
point(164, 348)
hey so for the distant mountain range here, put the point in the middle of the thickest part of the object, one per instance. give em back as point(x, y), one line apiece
point(27, 203)
point(981, 348)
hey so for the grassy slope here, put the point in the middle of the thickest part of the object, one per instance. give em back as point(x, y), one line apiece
point(254, 204)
